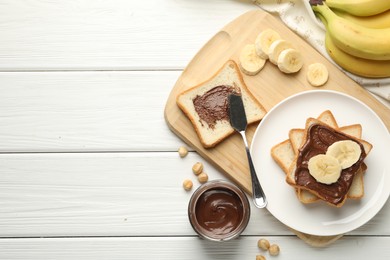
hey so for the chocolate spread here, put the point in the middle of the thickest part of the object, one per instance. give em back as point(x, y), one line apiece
point(213, 105)
point(219, 211)
point(319, 138)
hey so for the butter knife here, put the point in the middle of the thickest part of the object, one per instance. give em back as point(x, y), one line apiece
point(239, 123)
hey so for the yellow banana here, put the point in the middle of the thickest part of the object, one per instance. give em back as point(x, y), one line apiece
point(355, 65)
point(360, 7)
point(378, 21)
point(357, 40)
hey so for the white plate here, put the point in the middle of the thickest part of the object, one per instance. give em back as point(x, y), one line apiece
point(319, 218)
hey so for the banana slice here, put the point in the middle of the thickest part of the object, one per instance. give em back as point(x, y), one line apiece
point(324, 168)
point(250, 63)
point(346, 152)
point(264, 40)
point(317, 74)
point(290, 61)
point(276, 48)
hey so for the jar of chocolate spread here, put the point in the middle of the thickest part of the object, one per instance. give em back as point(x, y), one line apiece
point(219, 211)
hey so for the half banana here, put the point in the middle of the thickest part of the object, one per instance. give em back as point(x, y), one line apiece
point(250, 63)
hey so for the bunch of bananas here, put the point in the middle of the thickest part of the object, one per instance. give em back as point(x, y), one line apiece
point(357, 34)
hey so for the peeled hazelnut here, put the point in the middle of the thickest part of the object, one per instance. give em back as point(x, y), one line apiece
point(197, 168)
point(183, 151)
point(203, 177)
point(263, 244)
point(187, 184)
point(260, 257)
point(274, 250)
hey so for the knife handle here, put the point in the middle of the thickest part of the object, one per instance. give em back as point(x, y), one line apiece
point(258, 195)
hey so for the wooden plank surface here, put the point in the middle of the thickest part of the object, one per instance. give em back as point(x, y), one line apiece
point(115, 194)
point(188, 248)
point(85, 111)
point(114, 35)
point(76, 173)
point(105, 194)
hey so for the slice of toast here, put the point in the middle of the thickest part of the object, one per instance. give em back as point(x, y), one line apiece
point(324, 191)
point(284, 154)
point(357, 190)
point(352, 130)
point(206, 104)
point(296, 134)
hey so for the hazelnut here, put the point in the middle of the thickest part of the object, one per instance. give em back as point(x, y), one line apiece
point(203, 177)
point(187, 184)
point(260, 257)
point(183, 151)
point(197, 168)
point(263, 244)
point(274, 250)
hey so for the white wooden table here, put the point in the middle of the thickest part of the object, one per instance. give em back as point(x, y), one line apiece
point(88, 166)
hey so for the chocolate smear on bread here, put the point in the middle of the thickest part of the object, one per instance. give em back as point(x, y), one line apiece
point(213, 105)
point(206, 104)
point(319, 138)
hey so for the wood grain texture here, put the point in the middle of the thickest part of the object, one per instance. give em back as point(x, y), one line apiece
point(115, 35)
point(74, 77)
point(85, 111)
point(147, 248)
point(115, 194)
point(103, 194)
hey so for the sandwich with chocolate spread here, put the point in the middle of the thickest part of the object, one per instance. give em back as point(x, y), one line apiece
point(206, 104)
point(328, 162)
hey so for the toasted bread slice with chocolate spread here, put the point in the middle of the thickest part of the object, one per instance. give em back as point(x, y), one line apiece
point(322, 191)
point(284, 154)
point(296, 135)
point(357, 189)
point(206, 104)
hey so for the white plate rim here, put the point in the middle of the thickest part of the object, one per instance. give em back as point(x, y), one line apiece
point(262, 159)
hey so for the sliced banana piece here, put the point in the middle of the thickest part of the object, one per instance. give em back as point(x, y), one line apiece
point(290, 61)
point(264, 40)
point(317, 74)
point(324, 168)
point(276, 48)
point(250, 63)
point(346, 152)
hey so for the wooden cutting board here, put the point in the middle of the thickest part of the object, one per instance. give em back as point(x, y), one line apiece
point(270, 87)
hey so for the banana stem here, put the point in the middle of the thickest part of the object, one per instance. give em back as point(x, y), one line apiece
point(316, 2)
point(324, 10)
